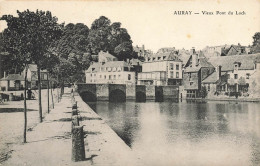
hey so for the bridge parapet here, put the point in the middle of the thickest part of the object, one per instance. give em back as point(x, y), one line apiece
point(105, 92)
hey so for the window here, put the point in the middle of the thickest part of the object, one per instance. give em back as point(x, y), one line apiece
point(235, 76)
point(119, 76)
point(177, 67)
point(105, 76)
point(129, 76)
point(125, 68)
point(114, 76)
point(94, 75)
point(171, 66)
point(177, 74)
point(93, 69)
point(236, 66)
point(90, 75)
point(110, 77)
point(119, 69)
point(171, 74)
point(208, 87)
point(247, 75)
point(189, 76)
point(159, 58)
point(191, 83)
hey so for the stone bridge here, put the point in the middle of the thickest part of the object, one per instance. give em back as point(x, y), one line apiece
point(122, 92)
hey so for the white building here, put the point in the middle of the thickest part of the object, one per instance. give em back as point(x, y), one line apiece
point(161, 69)
point(110, 71)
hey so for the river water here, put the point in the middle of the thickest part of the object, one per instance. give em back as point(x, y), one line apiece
point(187, 133)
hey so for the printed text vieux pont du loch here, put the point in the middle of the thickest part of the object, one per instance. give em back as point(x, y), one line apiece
point(188, 12)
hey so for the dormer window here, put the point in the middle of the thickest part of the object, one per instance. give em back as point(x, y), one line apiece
point(164, 57)
point(236, 66)
point(159, 58)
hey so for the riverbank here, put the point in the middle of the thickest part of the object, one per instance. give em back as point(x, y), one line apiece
point(49, 142)
point(239, 99)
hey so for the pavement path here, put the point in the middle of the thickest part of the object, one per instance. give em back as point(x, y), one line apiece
point(49, 142)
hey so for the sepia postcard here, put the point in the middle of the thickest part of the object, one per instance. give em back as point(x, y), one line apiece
point(127, 83)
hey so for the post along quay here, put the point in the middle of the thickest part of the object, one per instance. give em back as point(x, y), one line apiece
point(82, 84)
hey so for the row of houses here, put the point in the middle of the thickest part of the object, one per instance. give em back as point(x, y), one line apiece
point(195, 73)
point(13, 82)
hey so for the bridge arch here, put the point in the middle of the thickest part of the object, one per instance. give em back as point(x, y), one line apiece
point(88, 96)
point(159, 94)
point(117, 95)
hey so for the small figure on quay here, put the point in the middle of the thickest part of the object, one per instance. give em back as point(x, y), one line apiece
point(29, 93)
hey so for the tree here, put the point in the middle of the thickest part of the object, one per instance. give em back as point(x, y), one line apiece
point(73, 40)
point(104, 36)
point(256, 43)
point(31, 33)
point(74, 53)
point(124, 51)
point(99, 35)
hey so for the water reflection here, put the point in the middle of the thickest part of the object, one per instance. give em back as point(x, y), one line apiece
point(187, 133)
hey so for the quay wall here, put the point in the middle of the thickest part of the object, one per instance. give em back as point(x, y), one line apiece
point(108, 147)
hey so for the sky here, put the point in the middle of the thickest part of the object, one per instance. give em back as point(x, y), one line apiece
point(153, 23)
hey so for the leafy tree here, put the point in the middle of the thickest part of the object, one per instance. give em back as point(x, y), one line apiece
point(124, 51)
point(99, 35)
point(104, 36)
point(30, 34)
point(73, 40)
point(256, 43)
point(74, 53)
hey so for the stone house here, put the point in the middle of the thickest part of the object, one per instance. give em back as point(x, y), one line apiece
point(196, 70)
point(234, 75)
point(32, 77)
point(12, 82)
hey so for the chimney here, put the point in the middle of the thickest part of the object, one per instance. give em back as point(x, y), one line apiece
point(143, 50)
point(194, 60)
point(192, 50)
point(218, 71)
point(194, 57)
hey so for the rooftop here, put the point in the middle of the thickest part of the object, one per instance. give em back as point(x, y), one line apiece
point(227, 62)
point(14, 77)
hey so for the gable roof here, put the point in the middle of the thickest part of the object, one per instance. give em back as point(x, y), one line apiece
point(14, 77)
point(227, 62)
point(33, 67)
point(105, 54)
point(202, 62)
point(212, 78)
